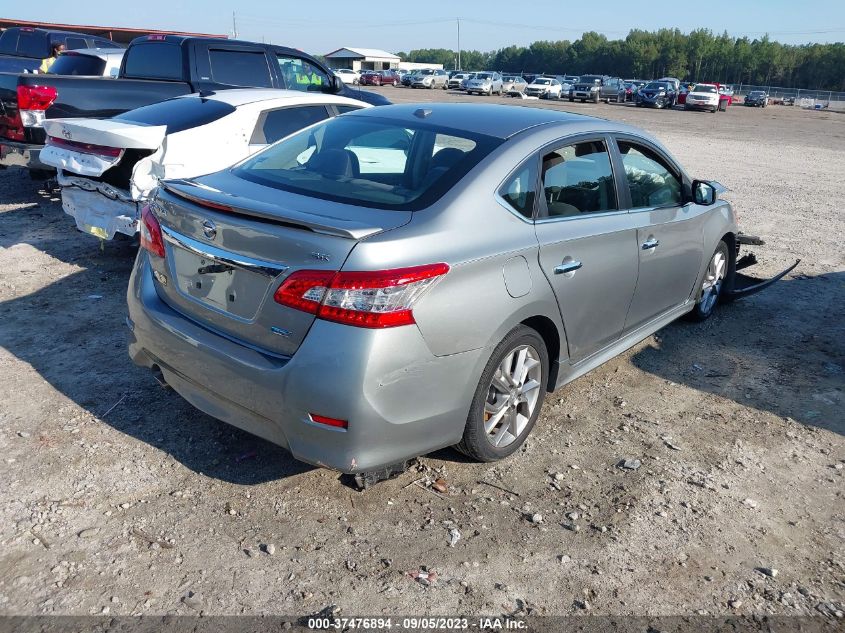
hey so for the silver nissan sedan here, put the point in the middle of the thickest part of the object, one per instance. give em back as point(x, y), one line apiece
point(400, 279)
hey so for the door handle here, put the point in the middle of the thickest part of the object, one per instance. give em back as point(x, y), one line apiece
point(568, 267)
point(650, 243)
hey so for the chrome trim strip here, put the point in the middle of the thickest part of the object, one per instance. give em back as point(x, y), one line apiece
point(268, 269)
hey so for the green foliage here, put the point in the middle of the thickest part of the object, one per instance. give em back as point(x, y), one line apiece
point(697, 56)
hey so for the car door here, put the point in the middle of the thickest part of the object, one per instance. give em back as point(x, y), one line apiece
point(669, 230)
point(587, 246)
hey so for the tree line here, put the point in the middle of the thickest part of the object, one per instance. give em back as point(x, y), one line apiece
point(697, 56)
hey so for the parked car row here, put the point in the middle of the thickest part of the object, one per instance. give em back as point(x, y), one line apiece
point(153, 68)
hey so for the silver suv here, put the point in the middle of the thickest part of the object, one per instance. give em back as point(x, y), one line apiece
point(430, 78)
point(485, 83)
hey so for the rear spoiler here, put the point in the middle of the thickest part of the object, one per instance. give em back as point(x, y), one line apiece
point(217, 200)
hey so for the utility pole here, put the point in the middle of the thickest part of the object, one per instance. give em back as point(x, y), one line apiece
point(234, 26)
point(458, 21)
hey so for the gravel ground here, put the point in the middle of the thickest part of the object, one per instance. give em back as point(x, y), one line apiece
point(120, 498)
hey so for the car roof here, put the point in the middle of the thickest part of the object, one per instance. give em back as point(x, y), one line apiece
point(95, 52)
point(500, 121)
point(242, 96)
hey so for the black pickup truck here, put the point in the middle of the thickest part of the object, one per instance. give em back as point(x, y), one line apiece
point(23, 48)
point(154, 68)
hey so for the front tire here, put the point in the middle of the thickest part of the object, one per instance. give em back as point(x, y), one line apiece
point(508, 397)
point(713, 285)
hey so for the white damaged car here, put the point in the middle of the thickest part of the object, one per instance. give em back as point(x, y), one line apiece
point(108, 167)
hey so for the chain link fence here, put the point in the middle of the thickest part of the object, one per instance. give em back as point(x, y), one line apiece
point(800, 96)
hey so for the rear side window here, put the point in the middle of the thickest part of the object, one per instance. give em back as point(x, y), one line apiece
point(578, 179)
point(75, 43)
point(520, 189)
point(277, 124)
point(154, 60)
point(8, 42)
point(179, 114)
point(240, 68)
point(33, 44)
point(78, 65)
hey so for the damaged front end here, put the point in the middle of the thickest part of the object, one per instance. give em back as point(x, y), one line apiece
point(745, 285)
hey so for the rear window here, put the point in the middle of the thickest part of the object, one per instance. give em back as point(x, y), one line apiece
point(179, 114)
point(240, 68)
point(78, 65)
point(277, 124)
point(154, 60)
point(74, 43)
point(33, 44)
point(369, 161)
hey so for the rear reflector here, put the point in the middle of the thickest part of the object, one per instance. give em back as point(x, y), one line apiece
point(321, 419)
point(208, 204)
point(151, 238)
point(377, 299)
point(86, 148)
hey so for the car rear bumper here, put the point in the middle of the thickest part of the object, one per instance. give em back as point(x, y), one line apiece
point(400, 400)
point(14, 154)
point(100, 215)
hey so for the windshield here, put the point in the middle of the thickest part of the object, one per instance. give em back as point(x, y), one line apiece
point(704, 88)
point(543, 82)
point(757, 93)
point(656, 85)
point(369, 161)
point(483, 76)
point(427, 71)
point(590, 79)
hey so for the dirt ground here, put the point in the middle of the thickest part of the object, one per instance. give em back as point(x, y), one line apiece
point(118, 497)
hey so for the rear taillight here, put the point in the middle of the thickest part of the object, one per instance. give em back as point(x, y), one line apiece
point(151, 238)
point(86, 148)
point(377, 299)
point(33, 101)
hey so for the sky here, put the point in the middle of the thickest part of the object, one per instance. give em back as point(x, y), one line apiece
point(397, 25)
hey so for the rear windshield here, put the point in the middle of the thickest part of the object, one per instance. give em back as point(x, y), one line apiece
point(369, 161)
point(154, 60)
point(178, 114)
point(78, 65)
point(34, 44)
point(703, 88)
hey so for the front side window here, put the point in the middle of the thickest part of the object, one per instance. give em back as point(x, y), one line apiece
point(369, 161)
point(301, 75)
point(520, 189)
point(240, 68)
point(578, 179)
point(651, 182)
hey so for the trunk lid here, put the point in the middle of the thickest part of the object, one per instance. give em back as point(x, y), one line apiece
point(223, 265)
point(84, 146)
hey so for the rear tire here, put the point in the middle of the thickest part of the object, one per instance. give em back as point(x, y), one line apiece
point(508, 397)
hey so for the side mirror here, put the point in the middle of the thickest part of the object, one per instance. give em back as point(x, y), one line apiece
point(336, 84)
point(703, 193)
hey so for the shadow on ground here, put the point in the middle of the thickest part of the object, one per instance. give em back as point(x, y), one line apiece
point(782, 351)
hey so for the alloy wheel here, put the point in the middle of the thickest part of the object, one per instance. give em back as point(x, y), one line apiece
point(512, 396)
point(711, 287)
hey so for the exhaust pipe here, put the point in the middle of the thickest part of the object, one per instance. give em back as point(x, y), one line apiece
point(159, 377)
